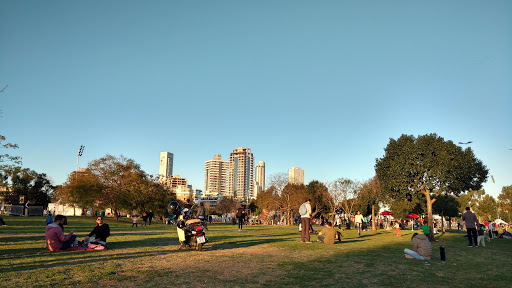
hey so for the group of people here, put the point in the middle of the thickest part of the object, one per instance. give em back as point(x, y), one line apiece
point(56, 240)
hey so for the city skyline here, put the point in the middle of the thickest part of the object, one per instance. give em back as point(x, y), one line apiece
point(321, 86)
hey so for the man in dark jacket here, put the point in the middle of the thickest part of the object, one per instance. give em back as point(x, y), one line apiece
point(471, 223)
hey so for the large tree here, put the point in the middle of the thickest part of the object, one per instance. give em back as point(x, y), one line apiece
point(116, 175)
point(8, 161)
point(267, 200)
point(505, 202)
point(487, 208)
point(34, 187)
point(428, 165)
point(446, 206)
point(370, 194)
point(321, 200)
point(345, 192)
point(82, 189)
point(291, 198)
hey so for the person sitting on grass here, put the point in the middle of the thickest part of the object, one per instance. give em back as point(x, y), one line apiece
point(102, 231)
point(328, 234)
point(2, 222)
point(421, 248)
point(54, 236)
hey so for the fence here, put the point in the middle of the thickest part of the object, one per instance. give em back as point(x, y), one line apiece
point(18, 210)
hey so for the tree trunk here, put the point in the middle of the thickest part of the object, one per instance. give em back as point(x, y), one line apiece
point(450, 223)
point(116, 217)
point(373, 217)
point(429, 214)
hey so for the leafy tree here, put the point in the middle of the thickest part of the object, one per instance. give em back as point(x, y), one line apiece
point(345, 193)
point(428, 165)
point(446, 206)
point(487, 208)
point(146, 193)
point(505, 202)
point(7, 161)
point(370, 194)
point(227, 205)
point(321, 200)
point(267, 200)
point(291, 198)
point(34, 187)
point(82, 189)
point(470, 199)
point(116, 175)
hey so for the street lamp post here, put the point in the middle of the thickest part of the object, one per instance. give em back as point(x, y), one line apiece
point(496, 193)
point(80, 152)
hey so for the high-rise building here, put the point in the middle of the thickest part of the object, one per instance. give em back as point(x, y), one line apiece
point(216, 177)
point(296, 176)
point(176, 181)
point(166, 160)
point(260, 178)
point(241, 174)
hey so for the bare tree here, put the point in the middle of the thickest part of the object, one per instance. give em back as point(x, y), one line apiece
point(345, 191)
point(279, 181)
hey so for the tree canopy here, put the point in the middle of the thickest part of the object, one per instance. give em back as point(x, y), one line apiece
point(428, 165)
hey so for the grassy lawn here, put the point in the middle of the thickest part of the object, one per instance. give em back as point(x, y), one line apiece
point(259, 256)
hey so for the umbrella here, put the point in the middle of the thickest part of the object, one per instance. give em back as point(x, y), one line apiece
point(385, 213)
point(412, 215)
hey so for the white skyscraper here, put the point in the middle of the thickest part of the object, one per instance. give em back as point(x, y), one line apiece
point(216, 176)
point(260, 178)
point(296, 176)
point(166, 160)
point(241, 174)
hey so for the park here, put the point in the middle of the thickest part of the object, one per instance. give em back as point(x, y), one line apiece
point(259, 256)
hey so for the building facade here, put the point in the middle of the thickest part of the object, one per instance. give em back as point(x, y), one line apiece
point(241, 174)
point(296, 176)
point(166, 162)
point(260, 178)
point(216, 177)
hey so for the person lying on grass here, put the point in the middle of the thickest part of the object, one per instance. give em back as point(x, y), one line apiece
point(54, 236)
point(421, 248)
point(102, 231)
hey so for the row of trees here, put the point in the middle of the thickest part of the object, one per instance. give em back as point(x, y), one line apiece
point(117, 183)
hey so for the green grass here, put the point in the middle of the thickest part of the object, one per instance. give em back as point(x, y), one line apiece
point(260, 256)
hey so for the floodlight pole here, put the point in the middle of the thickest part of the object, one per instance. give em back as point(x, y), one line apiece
point(496, 193)
point(80, 152)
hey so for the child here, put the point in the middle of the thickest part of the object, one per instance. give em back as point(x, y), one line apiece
point(134, 221)
point(481, 235)
point(426, 230)
point(397, 231)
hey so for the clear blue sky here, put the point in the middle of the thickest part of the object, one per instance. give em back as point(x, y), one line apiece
point(321, 85)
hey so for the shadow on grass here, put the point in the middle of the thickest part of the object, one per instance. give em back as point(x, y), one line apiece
point(79, 257)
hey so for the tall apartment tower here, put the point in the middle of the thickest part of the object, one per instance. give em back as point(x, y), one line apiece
point(296, 176)
point(260, 178)
point(166, 160)
point(241, 174)
point(216, 176)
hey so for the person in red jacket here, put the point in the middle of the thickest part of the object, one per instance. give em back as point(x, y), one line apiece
point(54, 236)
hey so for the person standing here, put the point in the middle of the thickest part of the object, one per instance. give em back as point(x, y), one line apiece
point(471, 222)
point(144, 220)
point(426, 230)
point(134, 221)
point(150, 216)
point(240, 215)
point(305, 215)
point(358, 220)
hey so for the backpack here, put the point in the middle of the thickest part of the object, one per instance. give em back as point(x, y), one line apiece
point(303, 210)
